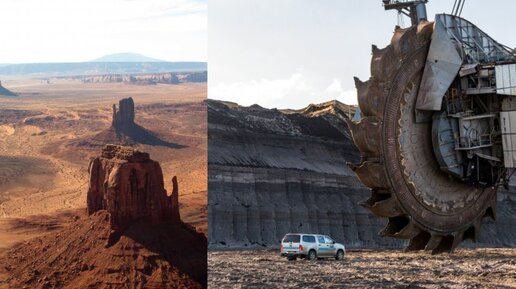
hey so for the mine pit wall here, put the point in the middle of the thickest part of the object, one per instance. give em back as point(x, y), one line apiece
point(264, 184)
point(253, 207)
point(502, 232)
point(256, 207)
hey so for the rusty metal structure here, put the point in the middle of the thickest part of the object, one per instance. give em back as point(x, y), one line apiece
point(437, 132)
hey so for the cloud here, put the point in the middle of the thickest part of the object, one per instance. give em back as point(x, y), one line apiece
point(296, 91)
point(80, 30)
point(335, 91)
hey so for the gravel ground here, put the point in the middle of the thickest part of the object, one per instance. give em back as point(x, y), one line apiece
point(466, 268)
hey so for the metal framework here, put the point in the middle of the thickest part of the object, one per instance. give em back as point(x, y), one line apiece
point(414, 9)
point(478, 47)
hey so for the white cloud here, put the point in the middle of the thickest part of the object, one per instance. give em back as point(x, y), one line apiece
point(335, 91)
point(266, 41)
point(81, 30)
point(296, 91)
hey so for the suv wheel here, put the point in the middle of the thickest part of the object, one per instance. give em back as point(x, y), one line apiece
point(340, 255)
point(312, 255)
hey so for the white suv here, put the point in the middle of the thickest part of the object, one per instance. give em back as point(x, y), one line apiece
point(311, 247)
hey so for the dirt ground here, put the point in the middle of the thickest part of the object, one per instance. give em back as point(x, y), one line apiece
point(464, 269)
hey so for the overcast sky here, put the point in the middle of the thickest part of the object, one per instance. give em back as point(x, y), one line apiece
point(82, 30)
point(289, 53)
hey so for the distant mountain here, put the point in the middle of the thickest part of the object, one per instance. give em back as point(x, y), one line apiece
point(126, 57)
point(98, 68)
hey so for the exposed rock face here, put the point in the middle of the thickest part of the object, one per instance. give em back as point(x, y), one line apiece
point(125, 115)
point(147, 79)
point(132, 236)
point(502, 231)
point(125, 131)
point(273, 172)
point(129, 185)
point(5, 92)
point(79, 255)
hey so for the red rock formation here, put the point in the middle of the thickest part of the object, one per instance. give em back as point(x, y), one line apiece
point(125, 115)
point(129, 185)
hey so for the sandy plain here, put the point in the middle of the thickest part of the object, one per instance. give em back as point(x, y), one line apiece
point(464, 269)
point(43, 170)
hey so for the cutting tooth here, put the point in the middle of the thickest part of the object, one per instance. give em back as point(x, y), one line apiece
point(424, 31)
point(395, 225)
point(371, 97)
point(384, 208)
point(445, 246)
point(473, 232)
point(363, 96)
point(434, 241)
point(383, 63)
point(404, 41)
point(366, 135)
point(458, 237)
point(418, 242)
point(376, 196)
point(372, 175)
point(410, 231)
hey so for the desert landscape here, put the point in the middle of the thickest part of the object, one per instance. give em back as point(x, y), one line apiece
point(48, 136)
point(467, 268)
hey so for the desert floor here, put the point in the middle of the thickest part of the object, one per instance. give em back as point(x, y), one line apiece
point(466, 268)
point(43, 167)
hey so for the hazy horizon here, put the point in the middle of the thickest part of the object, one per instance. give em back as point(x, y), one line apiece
point(102, 56)
point(60, 31)
point(287, 54)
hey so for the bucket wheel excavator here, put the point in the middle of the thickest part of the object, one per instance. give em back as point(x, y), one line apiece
point(437, 132)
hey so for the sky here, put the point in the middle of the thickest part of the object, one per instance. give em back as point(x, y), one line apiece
point(290, 53)
point(37, 31)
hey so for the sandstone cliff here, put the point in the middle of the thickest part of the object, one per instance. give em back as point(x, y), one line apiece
point(272, 172)
point(129, 185)
point(147, 78)
point(125, 131)
point(133, 236)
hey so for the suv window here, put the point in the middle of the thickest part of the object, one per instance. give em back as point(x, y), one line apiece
point(328, 240)
point(292, 238)
point(320, 239)
point(309, 239)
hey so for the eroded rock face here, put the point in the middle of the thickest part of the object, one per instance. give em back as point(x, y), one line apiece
point(129, 185)
point(274, 172)
point(125, 131)
point(148, 78)
point(125, 115)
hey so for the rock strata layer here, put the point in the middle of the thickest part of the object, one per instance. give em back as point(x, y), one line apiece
point(273, 172)
point(147, 79)
point(129, 185)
